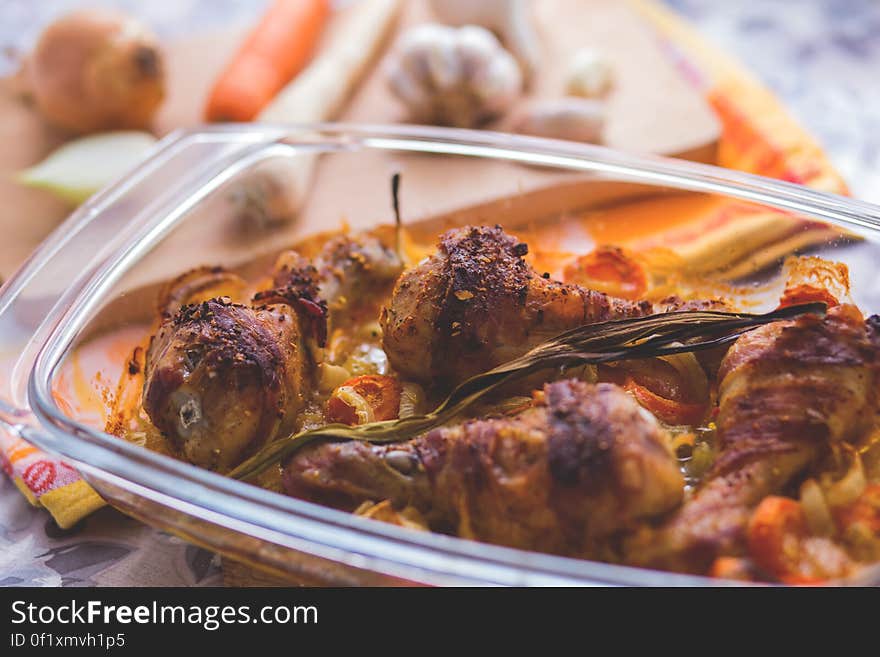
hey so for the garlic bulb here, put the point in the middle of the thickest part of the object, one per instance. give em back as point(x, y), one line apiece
point(589, 75)
point(453, 76)
point(510, 19)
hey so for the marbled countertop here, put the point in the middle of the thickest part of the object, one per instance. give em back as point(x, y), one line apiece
point(821, 57)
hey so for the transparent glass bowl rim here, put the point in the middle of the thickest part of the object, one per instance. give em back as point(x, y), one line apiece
point(292, 523)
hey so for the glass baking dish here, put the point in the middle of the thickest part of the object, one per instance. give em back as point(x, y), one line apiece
point(181, 208)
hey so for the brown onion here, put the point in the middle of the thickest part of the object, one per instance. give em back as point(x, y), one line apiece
point(96, 70)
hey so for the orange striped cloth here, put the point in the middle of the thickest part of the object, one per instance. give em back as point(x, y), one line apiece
point(757, 136)
point(47, 481)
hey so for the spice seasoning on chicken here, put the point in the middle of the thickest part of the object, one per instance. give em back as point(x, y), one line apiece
point(681, 462)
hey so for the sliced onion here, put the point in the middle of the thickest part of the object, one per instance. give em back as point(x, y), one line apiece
point(693, 374)
point(847, 490)
point(361, 407)
point(412, 400)
point(816, 509)
point(200, 284)
point(332, 376)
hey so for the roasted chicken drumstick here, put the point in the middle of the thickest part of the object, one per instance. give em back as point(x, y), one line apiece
point(583, 464)
point(349, 271)
point(352, 269)
point(788, 391)
point(223, 379)
point(477, 303)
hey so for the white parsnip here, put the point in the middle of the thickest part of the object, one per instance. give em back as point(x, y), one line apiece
point(318, 94)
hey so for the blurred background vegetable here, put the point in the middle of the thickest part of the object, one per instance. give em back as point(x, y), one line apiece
point(609, 269)
point(575, 119)
point(320, 91)
point(96, 70)
point(274, 192)
point(453, 76)
point(511, 20)
point(276, 50)
point(83, 166)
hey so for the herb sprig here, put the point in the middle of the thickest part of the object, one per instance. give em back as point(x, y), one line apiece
point(615, 340)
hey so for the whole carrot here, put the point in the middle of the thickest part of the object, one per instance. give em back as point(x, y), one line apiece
point(275, 51)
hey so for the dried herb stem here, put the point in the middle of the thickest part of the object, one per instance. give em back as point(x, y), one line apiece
point(615, 340)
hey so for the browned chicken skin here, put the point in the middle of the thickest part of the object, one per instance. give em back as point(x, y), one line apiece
point(223, 379)
point(353, 269)
point(477, 303)
point(583, 472)
point(350, 271)
point(582, 465)
point(788, 391)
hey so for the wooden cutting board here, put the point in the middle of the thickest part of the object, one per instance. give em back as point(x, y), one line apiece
point(652, 109)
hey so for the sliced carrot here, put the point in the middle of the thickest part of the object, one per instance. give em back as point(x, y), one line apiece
point(371, 397)
point(776, 535)
point(781, 545)
point(276, 50)
point(609, 269)
point(805, 294)
point(670, 411)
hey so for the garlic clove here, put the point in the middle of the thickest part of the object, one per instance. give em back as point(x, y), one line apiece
point(428, 53)
point(442, 61)
point(415, 50)
point(475, 44)
point(511, 19)
point(574, 119)
point(589, 75)
point(499, 83)
point(476, 47)
point(404, 84)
